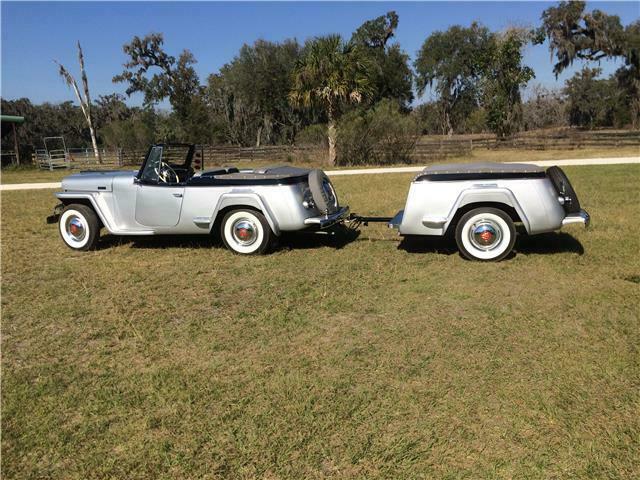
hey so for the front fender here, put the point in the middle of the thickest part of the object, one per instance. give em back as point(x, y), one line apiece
point(487, 195)
point(245, 199)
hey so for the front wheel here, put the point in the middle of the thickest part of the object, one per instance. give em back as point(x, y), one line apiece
point(79, 227)
point(246, 232)
point(485, 234)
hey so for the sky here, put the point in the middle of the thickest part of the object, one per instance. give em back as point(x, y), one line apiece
point(35, 33)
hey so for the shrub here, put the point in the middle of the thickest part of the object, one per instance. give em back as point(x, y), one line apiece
point(313, 135)
point(381, 135)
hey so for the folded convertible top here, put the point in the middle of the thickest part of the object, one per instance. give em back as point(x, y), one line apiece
point(484, 170)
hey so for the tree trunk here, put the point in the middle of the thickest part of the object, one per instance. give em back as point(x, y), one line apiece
point(259, 136)
point(94, 142)
point(87, 100)
point(331, 135)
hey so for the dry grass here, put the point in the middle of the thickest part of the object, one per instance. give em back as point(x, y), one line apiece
point(169, 358)
point(27, 175)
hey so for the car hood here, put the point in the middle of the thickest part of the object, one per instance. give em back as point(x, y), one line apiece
point(94, 181)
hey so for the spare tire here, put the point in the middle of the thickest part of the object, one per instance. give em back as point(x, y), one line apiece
point(564, 188)
point(324, 195)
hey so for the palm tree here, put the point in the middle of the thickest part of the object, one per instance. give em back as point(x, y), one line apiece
point(331, 74)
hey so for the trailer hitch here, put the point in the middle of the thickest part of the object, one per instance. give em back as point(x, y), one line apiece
point(354, 221)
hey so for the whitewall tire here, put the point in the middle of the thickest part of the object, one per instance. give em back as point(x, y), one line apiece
point(485, 234)
point(246, 232)
point(79, 227)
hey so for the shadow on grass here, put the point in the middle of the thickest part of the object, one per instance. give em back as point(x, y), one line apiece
point(288, 241)
point(546, 243)
point(337, 239)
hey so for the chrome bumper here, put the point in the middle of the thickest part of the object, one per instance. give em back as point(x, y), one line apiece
point(327, 220)
point(581, 217)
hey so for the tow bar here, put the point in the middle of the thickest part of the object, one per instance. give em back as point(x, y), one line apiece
point(354, 221)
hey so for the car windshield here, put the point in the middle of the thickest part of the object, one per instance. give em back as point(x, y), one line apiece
point(152, 166)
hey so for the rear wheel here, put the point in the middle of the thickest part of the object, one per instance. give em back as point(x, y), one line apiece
point(246, 232)
point(485, 234)
point(79, 227)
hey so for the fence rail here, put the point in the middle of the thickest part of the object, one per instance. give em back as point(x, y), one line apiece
point(424, 151)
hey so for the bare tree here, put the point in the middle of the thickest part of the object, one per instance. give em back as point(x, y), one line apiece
point(85, 102)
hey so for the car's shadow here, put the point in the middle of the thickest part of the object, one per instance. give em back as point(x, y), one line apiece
point(545, 243)
point(336, 239)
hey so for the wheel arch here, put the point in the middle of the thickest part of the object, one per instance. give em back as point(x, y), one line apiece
point(233, 201)
point(467, 207)
point(87, 202)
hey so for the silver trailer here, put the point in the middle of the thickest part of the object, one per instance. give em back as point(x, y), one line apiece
point(481, 203)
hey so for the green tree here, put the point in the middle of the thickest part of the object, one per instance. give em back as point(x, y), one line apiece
point(453, 62)
point(593, 102)
point(175, 79)
point(259, 79)
point(392, 76)
point(503, 78)
point(331, 74)
point(592, 36)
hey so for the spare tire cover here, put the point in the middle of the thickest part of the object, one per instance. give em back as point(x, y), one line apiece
point(323, 192)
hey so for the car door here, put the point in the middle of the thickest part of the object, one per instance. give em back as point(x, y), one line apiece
point(157, 204)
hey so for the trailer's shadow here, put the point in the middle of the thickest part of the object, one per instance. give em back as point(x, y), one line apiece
point(548, 243)
point(542, 244)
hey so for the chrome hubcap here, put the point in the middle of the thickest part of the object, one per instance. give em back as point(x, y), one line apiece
point(244, 232)
point(75, 228)
point(485, 234)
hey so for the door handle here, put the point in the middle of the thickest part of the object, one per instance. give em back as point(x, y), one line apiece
point(177, 195)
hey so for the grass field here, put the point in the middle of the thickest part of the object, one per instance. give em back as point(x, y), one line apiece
point(27, 175)
point(171, 358)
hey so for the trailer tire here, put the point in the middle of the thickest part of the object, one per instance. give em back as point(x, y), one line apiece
point(485, 234)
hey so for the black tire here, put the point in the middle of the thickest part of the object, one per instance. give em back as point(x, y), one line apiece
point(79, 227)
point(324, 195)
point(564, 188)
point(232, 230)
point(492, 222)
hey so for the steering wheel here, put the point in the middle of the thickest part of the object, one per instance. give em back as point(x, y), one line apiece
point(166, 174)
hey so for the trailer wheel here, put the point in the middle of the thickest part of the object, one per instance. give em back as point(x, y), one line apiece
point(246, 232)
point(79, 227)
point(485, 234)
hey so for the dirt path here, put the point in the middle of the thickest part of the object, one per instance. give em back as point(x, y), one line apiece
point(371, 171)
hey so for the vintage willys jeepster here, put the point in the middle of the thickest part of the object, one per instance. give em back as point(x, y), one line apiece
point(248, 208)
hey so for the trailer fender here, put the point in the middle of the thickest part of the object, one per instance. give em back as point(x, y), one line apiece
point(486, 195)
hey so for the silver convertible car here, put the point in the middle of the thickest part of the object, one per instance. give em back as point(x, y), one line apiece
point(166, 196)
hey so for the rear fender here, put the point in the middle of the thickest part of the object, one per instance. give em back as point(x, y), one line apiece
point(487, 195)
point(245, 199)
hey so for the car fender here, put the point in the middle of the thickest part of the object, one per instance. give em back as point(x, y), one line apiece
point(106, 220)
point(489, 194)
point(245, 199)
